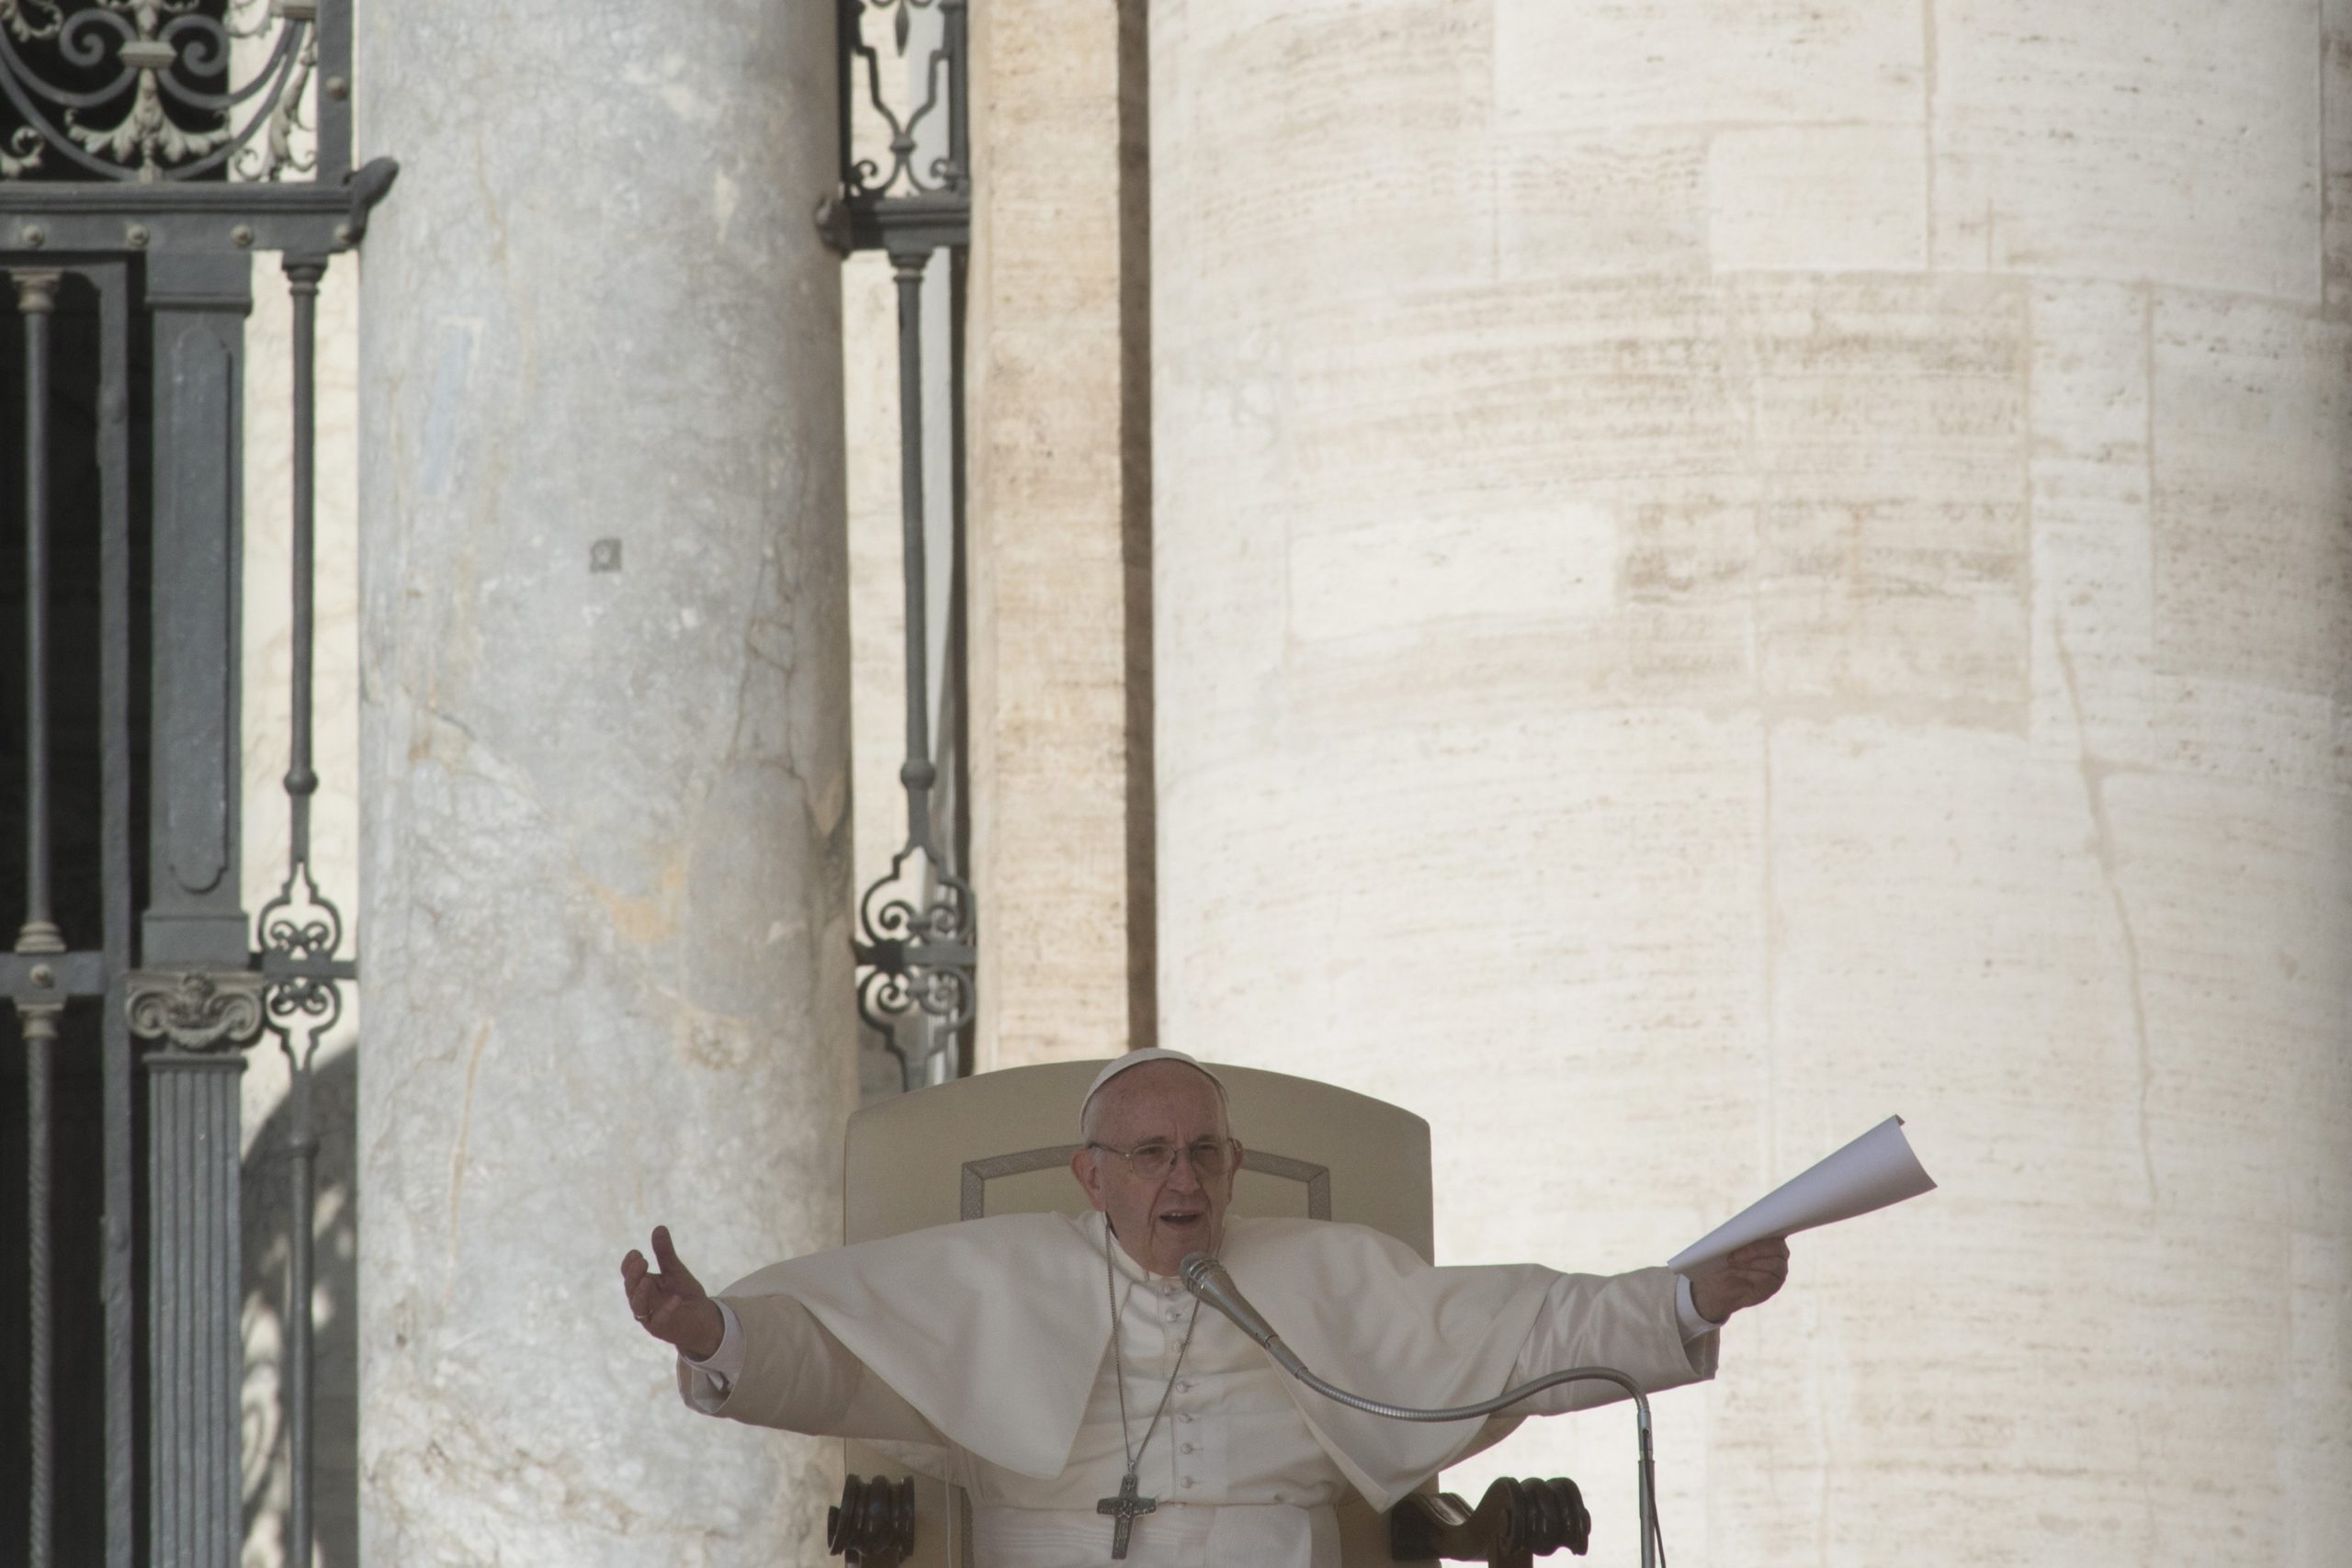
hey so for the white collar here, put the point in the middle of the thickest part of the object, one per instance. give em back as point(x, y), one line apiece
point(1098, 1230)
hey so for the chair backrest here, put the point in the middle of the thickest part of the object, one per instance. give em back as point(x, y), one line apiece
point(1000, 1143)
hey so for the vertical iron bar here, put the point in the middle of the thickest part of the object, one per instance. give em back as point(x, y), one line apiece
point(918, 774)
point(297, 1319)
point(334, 78)
point(847, 25)
point(959, 149)
point(37, 301)
point(956, 664)
point(39, 1024)
point(301, 781)
point(114, 574)
point(302, 276)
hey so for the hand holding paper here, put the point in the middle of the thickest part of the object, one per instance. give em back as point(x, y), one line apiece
point(1874, 1171)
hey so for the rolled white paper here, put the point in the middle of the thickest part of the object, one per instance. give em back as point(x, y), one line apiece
point(1874, 1171)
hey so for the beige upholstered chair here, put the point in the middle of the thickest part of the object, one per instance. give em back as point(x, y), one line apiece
point(1001, 1143)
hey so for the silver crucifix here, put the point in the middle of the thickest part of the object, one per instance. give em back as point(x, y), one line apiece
point(1124, 1507)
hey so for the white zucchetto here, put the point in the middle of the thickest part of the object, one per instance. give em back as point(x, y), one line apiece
point(1119, 1065)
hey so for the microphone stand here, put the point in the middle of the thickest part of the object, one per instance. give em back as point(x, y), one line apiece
point(1208, 1279)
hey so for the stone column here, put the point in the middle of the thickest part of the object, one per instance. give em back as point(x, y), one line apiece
point(1060, 552)
point(606, 863)
point(1726, 570)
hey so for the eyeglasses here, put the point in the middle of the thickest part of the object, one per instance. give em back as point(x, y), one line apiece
point(1150, 1161)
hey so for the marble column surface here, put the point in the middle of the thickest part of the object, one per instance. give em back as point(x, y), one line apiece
point(1727, 570)
point(605, 748)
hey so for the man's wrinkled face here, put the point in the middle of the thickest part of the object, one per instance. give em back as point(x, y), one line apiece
point(1159, 1221)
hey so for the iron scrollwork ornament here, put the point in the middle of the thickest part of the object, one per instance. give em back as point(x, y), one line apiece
point(918, 948)
point(144, 90)
point(302, 932)
point(866, 177)
point(917, 942)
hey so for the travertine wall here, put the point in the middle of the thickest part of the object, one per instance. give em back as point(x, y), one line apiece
point(1056, 519)
point(1726, 569)
point(606, 841)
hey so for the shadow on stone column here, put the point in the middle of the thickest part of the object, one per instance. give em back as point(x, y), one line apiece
point(335, 1379)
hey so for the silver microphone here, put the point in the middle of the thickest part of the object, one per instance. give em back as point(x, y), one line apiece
point(1206, 1278)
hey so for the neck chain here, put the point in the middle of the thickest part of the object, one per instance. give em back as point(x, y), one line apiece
point(1124, 1507)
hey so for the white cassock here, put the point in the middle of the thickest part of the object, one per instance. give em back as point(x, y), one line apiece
point(980, 1353)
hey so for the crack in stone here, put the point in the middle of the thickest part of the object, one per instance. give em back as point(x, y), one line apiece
point(2095, 775)
point(458, 1159)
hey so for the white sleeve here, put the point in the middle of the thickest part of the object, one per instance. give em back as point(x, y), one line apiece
point(1639, 1323)
point(1695, 1324)
point(708, 1383)
point(777, 1366)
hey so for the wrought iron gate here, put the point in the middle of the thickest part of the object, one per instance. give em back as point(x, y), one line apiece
point(917, 943)
point(155, 155)
point(152, 153)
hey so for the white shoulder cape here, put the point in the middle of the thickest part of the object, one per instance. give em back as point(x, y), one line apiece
point(995, 1329)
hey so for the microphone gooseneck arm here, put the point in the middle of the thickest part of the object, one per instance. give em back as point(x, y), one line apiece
point(1206, 1278)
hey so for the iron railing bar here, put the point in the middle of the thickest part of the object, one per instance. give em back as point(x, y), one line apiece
point(848, 23)
point(37, 303)
point(281, 965)
point(116, 1290)
point(303, 277)
point(69, 974)
point(299, 1351)
point(959, 134)
point(333, 157)
point(39, 1025)
point(168, 200)
point(917, 775)
point(955, 700)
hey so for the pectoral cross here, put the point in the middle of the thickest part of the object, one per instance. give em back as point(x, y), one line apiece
point(1125, 1506)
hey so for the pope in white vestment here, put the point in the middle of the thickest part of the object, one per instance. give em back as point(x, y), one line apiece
point(1073, 1357)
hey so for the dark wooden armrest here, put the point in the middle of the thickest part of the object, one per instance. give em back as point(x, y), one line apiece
point(1514, 1523)
point(874, 1526)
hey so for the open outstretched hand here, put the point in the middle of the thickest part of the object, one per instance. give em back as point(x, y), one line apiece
point(1749, 1276)
point(671, 1304)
